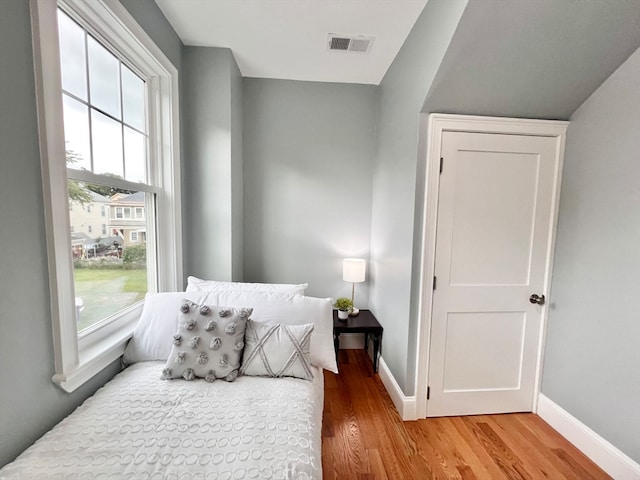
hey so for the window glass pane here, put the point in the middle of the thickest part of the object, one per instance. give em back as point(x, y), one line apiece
point(133, 99)
point(110, 270)
point(72, 56)
point(107, 144)
point(104, 79)
point(76, 134)
point(134, 155)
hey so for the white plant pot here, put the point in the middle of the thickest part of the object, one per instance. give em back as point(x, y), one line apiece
point(343, 314)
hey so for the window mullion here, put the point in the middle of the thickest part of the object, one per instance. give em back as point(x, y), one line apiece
point(124, 160)
point(103, 112)
point(86, 66)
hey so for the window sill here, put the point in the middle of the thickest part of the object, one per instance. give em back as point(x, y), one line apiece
point(98, 350)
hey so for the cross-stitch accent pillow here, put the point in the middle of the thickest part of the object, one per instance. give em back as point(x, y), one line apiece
point(208, 344)
point(276, 350)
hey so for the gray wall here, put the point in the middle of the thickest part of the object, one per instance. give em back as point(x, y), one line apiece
point(30, 404)
point(307, 182)
point(516, 59)
point(152, 20)
point(592, 355)
point(402, 92)
point(212, 165)
point(558, 54)
point(237, 160)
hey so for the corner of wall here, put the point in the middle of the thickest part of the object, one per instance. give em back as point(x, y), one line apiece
point(237, 169)
point(405, 404)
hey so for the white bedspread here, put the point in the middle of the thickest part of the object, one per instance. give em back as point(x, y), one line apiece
point(138, 426)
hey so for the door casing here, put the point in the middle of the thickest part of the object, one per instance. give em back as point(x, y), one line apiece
point(431, 128)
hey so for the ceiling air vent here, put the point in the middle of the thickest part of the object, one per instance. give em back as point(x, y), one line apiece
point(349, 43)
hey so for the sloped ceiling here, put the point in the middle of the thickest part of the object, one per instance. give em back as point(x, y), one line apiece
point(287, 39)
point(533, 58)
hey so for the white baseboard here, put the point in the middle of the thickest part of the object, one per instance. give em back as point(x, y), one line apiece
point(406, 405)
point(599, 450)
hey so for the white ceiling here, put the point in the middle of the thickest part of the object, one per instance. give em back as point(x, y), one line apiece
point(287, 39)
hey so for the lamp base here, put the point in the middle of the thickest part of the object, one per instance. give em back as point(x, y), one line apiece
point(354, 312)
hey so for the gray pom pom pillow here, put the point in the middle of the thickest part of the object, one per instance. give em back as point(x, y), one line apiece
point(208, 344)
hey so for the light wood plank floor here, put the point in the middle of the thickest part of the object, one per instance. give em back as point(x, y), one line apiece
point(363, 437)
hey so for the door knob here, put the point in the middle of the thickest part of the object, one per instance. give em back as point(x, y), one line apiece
point(535, 298)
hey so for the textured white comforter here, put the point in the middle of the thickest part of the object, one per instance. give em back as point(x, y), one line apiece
point(140, 427)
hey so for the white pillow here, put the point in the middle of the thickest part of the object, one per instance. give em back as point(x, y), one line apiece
point(289, 310)
point(158, 323)
point(195, 284)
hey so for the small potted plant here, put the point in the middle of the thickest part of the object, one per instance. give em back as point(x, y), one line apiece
point(344, 306)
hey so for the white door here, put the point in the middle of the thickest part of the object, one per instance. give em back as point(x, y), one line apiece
point(495, 210)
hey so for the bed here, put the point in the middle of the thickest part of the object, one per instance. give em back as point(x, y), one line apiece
point(140, 425)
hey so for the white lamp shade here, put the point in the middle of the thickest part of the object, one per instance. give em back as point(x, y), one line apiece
point(353, 270)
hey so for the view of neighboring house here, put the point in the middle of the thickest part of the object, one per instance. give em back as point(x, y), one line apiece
point(92, 218)
point(128, 218)
point(89, 224)
point(118, 221)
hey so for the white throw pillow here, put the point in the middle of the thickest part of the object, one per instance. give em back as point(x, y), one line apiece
point(195, 284)
point(158, 323)
point(290, 310)
point(276, 350)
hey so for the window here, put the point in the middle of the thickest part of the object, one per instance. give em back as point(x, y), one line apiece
point(97, 75)
point(134, 236)
point(104, 111)
point(139, 214)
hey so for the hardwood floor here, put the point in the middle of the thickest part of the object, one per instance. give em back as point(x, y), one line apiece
point(364, 438)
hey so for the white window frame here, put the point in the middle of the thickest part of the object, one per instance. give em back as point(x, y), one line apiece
point(133, 236)
point(78, 359)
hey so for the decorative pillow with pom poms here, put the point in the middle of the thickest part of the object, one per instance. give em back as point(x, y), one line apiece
point(208, 344)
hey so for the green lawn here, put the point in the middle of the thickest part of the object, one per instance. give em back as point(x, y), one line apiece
point(105, 292)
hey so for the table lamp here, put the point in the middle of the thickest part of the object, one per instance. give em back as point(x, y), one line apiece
point(353, 270)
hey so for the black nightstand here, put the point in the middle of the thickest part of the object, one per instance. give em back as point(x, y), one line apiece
point(365, 323)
